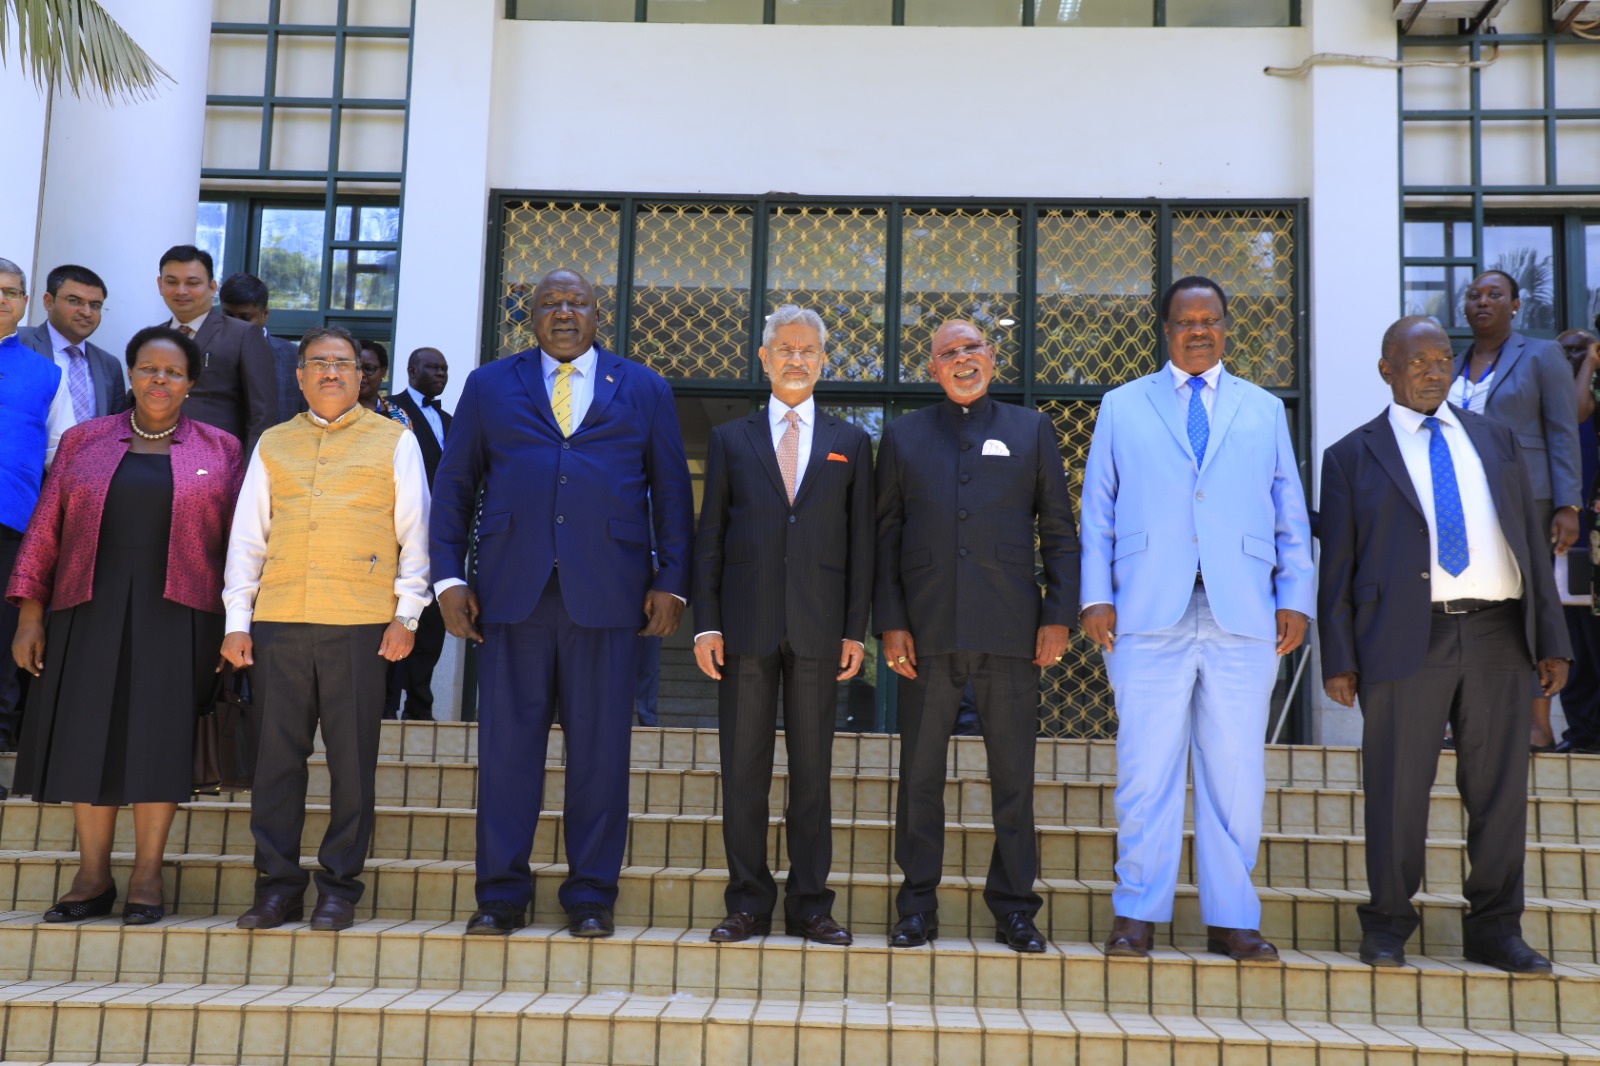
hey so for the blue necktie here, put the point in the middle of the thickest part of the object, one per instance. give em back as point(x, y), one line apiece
point(1448, 518)
point(1199, 425)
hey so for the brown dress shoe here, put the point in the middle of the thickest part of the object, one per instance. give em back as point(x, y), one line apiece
point(818, 928)
point(1130, 938)
point(333, 913)
point(1240, 945)
point(740, 925)
point(272, 910)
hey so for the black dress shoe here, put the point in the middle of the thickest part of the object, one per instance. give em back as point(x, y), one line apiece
point(495, 917)
point(79, 909)
point(142, 913)
point(915, 930)
point(272, 910)
point(740, 926)
point(819, 929)
point(333, 913)
point(1511, 954)
point(1567, 747)
point(1382, 948)
point(1018, 933)
point(590, 919)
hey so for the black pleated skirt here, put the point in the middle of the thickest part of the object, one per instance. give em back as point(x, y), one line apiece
point(111, 719)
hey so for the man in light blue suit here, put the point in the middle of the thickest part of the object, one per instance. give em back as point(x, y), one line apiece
point(1197, 576)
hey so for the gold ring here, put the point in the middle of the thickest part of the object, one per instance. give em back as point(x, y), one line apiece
point(1058, 658)
point(901, 659)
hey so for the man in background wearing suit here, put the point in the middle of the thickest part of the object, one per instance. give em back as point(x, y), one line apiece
point(245, 297)
point(74, 298)
point(963, 487)
point(428, 373)
point(237, 389)
point(1437, 599)
point(782, 585)
point(576, 451)
point(1197, 576)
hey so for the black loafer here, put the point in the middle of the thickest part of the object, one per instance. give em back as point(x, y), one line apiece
point(1017, 932)
point(1511, 954)
point(496, 917)
point(1383, 949)
point(78, 910)
point(590, 919)
point(332, 914)
point(915, 930)
point(142, 913)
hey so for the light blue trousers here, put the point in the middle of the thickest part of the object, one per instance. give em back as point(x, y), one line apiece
point(1193, 692)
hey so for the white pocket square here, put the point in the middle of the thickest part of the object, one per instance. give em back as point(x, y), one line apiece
point(995, 447)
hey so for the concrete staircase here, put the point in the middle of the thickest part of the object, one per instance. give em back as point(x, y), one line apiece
point(405, 985)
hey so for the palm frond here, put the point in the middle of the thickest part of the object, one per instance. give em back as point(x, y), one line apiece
point(76, 45)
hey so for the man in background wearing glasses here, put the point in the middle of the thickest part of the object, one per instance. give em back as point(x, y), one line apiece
point(327, 572)
point(74, 298)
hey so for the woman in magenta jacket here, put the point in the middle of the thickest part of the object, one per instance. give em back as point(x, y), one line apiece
point(125, 550)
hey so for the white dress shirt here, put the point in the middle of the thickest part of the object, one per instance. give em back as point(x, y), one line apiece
point(194, 323)
point(807, 410)
point(1492, 572)
point(1470, 395)
point(252, 520)
point(60, 418)
point(429, 412)
point(1208, 395)
point(581, 381)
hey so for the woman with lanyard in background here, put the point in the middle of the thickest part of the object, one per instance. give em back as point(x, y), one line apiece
point(1526, 385)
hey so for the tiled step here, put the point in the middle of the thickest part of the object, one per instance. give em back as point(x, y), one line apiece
point(955, 971)
point(1295, 860)
point(228, 1023)
point(1304, 919)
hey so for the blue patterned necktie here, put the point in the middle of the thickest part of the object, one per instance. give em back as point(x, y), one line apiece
point(78, 385)
point(1449, 520)
point(1199, 425)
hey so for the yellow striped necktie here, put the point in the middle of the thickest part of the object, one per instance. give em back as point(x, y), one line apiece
point(561, 398)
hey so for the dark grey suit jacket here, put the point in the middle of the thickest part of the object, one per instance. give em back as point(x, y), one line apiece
point(1374, 601)
point(1532, 394)
point(286, 356)
point(105, 369)
point(237, 390)
point(766, 570)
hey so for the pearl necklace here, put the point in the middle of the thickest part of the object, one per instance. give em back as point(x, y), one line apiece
point(133, 420)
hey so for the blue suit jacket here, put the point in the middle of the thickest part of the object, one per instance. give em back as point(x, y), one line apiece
point(587, 500)
point(1150, 518)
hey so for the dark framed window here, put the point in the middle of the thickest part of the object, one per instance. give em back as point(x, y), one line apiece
point(918, 12)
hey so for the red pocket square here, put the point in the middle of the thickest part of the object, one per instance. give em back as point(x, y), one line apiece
point(835, 457)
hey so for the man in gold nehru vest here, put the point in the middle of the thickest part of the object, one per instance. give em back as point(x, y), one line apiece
point(327, 572)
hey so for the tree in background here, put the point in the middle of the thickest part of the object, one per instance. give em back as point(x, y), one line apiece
point(75, 44)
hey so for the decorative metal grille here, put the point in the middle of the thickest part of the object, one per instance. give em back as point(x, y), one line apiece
point(835, 262)
point(541, 237)
point(960, 264)
point(690, 315)
point(1074, 695)
point(1095, 313)
point(1251, 255)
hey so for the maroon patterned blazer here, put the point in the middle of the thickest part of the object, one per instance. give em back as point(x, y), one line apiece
point(55, 563)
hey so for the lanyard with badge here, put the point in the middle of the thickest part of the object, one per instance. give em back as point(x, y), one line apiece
point(1469, 388)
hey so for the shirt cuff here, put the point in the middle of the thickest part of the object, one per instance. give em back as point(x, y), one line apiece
point(679, 598)
point(445, 583)
point(1097, 603)
point(707, 633)
point(238, 621)
point(860, 644)
point(410, 607)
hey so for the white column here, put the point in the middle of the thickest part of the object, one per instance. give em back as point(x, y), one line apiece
point(122, 179)
point(1355, 245)
point(25, 116)
point(443, 238)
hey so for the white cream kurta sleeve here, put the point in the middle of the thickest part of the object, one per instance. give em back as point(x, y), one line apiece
point(411, 504)
point(247, 546)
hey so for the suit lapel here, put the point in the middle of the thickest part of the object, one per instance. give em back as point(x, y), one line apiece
point(207, 333)
point(1516, 346)
point(530, 369)
point(607, 375)
point(823, 434)
point(1229, 397)
point(1379, 438)
point(759, 432)
point(1488, 452)
point(1162, 397)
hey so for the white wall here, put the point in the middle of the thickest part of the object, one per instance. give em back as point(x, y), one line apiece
point(122, 180)
point(25, 111)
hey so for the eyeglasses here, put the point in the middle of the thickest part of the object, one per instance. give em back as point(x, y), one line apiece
point(950, 355)
point(372, 372)
point(148, 371)
point(78, 303)
point(809, 353)
point(1196, 323)
point(333, 366)
point(14, 294)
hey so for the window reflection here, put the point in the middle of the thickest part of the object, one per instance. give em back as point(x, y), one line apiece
point(363, 280)
point(1591, 238)
point(290, 256)
point(211, 231)
point(1437, 291)
point(1527, 253)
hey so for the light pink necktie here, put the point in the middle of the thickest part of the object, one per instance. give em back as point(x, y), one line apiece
point(789, 452)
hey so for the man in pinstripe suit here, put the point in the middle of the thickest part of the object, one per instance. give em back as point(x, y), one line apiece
point(782, 585)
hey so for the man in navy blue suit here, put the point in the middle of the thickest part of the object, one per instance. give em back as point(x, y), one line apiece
point(578, 456)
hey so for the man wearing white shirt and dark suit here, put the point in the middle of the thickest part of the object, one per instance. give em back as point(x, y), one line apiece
point(428, 372)
point(74, 298)
point(783, 584)
point(1437, 599)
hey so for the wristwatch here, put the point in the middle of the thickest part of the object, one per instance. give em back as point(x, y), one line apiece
point(409, 623)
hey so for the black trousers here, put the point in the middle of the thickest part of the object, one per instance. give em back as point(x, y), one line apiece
point(1007, 691)
point(10, 689)
point(1580, 700)
point(413, 675)
point(747, 714)
point(307, 673)
point(1475, 677)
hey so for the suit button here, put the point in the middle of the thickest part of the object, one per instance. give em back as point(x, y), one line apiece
point(962, 551)
point(966, 445)
point(1199, 495)
point(791, 520)
point(316, 492)
point(323, 460)
point(312, 526)
point(1424, 575)
point(560, 519)
point(312, 565)
point(563, 479)
point(566, 446)
point(1195, 539)
point(961, 513)
point(965, 478)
